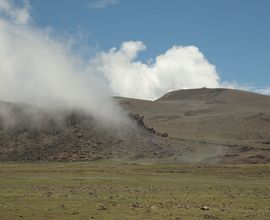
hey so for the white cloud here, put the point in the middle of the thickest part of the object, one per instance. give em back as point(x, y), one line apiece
point(181, 67)
point(36, 67)
point(245, 87)
point(265, 90)
point(100, 4)
point(19, 15)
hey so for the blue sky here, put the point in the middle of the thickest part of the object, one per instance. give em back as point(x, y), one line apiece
point(232, 34)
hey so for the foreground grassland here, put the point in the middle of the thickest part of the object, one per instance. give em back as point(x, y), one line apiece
point(130, 191)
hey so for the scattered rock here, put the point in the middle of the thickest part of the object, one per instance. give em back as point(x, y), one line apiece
point(101, 207)
point(136, 205)
point(140, 123)
point(205, 208)
point(75, 213)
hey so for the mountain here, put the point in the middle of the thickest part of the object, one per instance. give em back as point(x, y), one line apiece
point(217, 124)
point(196, 125)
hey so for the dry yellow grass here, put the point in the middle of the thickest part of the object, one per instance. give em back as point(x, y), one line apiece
point(106, 190)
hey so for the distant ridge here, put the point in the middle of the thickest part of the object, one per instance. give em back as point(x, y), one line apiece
point(228, 96)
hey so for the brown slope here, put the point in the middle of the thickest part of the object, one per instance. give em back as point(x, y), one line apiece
point(220, 95)
point(229, 124)
point(31, 134)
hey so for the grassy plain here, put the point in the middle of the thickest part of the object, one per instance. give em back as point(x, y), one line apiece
point(106, 190)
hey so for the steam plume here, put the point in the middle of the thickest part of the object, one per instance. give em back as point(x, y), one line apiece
point(38, 68)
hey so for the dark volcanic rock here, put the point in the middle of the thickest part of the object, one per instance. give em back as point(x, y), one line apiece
point(75, 136)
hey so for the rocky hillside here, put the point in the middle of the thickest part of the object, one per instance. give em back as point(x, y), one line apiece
point(198, 125)
point(231, 125)
point(29, 134)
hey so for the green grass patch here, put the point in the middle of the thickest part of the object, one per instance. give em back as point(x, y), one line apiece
point(105, 190)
